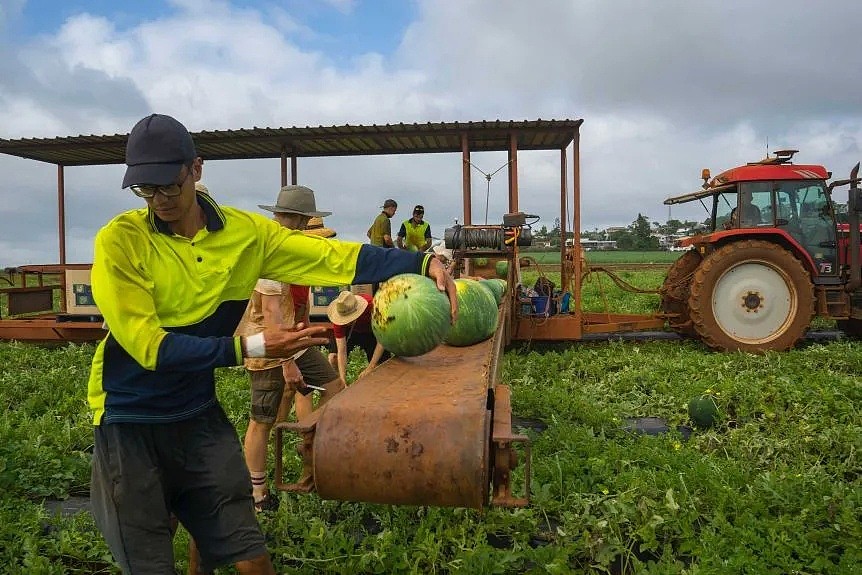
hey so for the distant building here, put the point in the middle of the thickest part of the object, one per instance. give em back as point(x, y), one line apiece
point(593, 245)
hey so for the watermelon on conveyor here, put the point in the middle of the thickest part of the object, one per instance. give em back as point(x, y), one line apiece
point(477, 314)
point(411, 316)
point(496, 286)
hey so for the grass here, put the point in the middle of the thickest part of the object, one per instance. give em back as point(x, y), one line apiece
point(775, 487)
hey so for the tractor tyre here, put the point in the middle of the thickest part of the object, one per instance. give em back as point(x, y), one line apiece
point(676, 291)
point(751, 296)
point(851, 327)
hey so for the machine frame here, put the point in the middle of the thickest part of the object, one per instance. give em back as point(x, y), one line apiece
point(291, 144)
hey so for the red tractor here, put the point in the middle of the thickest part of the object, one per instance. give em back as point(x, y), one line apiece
point(777, 251)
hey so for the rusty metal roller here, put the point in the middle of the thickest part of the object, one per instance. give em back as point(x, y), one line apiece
point(407, 434)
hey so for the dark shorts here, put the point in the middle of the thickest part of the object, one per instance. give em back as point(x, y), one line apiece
point(267, 385)
point(364, 341)
point(194, 469)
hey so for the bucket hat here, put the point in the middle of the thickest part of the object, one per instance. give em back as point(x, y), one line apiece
point(346, 308)
point(315, 227)
point(295, 200)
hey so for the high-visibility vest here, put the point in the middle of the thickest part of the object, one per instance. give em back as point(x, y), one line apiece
point(415, 235)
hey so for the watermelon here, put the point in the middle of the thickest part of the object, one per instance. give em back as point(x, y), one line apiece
point(477, 314)
point(481, 262)
point(496, 287)
point(703, 411)
point(502, 269)
point(411, 316)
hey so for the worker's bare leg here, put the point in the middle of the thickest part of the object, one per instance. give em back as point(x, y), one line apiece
point(304, 406)
point(256, 440)
point(332, 388)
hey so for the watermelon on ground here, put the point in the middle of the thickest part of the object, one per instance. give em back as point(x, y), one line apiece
point(495, 286)
point(477, 314)
point(703, 411)
point(411, 316)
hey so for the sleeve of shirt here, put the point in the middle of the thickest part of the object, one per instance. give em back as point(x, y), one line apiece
point(293, 257)
point(428, 232)
point(338, 331)
point(123, 292)
point(402, 231)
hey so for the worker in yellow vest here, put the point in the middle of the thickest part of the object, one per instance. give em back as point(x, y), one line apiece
point(415, 233)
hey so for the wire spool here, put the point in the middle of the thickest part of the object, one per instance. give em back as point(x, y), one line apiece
point(484, 237)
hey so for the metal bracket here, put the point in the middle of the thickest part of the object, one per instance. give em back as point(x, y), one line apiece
point(306, 429)
point(503, 454)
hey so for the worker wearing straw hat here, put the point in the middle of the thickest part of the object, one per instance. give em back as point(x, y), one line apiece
point(350, 315)
point(315, 227)
point(275, 381)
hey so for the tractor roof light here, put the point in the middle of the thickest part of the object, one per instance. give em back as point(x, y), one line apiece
point(704, 173)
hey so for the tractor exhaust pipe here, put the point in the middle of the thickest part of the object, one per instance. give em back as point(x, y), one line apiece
point(854, 207)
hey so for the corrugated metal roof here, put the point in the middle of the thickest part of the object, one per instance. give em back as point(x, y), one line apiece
point(347, 140)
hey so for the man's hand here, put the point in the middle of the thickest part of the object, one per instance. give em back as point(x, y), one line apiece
point(437, 272)
point(285, 342)
point(292, 375)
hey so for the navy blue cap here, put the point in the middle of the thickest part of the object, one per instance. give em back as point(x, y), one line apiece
point(156, 150)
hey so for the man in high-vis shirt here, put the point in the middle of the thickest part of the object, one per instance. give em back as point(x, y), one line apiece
point(415, 233)
point(172, 281)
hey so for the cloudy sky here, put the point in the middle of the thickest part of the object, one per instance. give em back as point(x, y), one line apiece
point(665, 88)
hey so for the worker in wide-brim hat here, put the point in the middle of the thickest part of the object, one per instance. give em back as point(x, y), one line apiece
point(275, 382)
point(350, 315)
point(315, 227)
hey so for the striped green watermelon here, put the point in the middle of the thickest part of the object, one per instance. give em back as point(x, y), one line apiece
point(703, 411)
point(495, 287)
point(477, 314)
point(411, 316)
point(502, 269)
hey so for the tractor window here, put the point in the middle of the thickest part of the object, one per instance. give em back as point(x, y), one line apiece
point(724, 204)
point(805, 212)
point(755, 204)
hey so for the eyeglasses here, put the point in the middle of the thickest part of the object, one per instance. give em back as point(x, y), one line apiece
point(170, 191)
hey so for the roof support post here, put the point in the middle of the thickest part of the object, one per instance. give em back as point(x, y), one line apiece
point(61, 211)
point(467, 191)
point(576, 222)
point(293, 169)
point(513, 173)
point(283, 166)
point(466, 183)
point(563, 218)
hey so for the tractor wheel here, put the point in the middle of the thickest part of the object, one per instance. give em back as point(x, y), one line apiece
point(751, 296)
point(676, 290)
point(851, 327)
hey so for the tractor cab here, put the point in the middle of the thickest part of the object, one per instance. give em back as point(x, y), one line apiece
point(775, 200)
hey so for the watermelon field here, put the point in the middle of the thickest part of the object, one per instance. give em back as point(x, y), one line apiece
point(773, 487)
